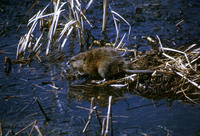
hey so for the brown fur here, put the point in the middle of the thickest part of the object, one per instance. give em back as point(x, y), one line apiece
point(100, 62)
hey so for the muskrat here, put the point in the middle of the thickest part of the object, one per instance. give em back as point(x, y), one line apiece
point(104, 62)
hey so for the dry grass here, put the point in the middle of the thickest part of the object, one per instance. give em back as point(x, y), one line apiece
point(176, 74)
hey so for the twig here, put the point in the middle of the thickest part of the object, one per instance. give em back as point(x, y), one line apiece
point(54, 87)
point(9, 131)
point(37, 42)
point(173, 50)
point(119, 45)
point(139, 71)
point(38, 130)
point(187, 96)
point(161, 47)
point(37, 17)
point(186, 57)
point(97, 115)
point(129, 31)
point(180, 22)
point(88, 5)
point(108, 115)
point(35, 122)
point(90, 115)
point(42, 110)
point(53, 27)
point(103, 126)
point(119, 85)
point(117, 30)
point(111, 124)
point(24, 128)
point(68, 26)
point(80, 107)
point(195, 59)
point(190, 81)
point(85, 17)
point(38, 86)
point(64, 41)
point(190, 47)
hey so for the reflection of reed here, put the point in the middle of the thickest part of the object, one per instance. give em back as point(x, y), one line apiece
point(34, 126)
point(100, 93)
point(42, 110)
point(106, 122)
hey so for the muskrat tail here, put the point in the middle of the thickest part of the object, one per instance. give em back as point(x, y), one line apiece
point(129, 67)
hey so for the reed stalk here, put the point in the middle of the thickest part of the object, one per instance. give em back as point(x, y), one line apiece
point(105, 7)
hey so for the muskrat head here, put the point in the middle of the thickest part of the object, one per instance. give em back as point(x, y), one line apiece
point(76, 63)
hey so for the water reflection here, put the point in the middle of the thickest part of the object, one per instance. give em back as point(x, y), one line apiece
point(101, 93)
point(136, 115)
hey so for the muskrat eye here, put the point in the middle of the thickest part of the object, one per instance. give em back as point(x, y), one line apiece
point(69, 62)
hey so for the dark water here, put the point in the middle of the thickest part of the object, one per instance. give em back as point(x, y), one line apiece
point(132, 114)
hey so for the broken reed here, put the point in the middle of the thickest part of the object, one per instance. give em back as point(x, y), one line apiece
point(47, 29)
point(106, 124)
point(52, 32)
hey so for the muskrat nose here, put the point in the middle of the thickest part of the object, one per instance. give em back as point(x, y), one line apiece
point(68, 62)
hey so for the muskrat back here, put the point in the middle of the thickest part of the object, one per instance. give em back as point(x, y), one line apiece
point(102, 62)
